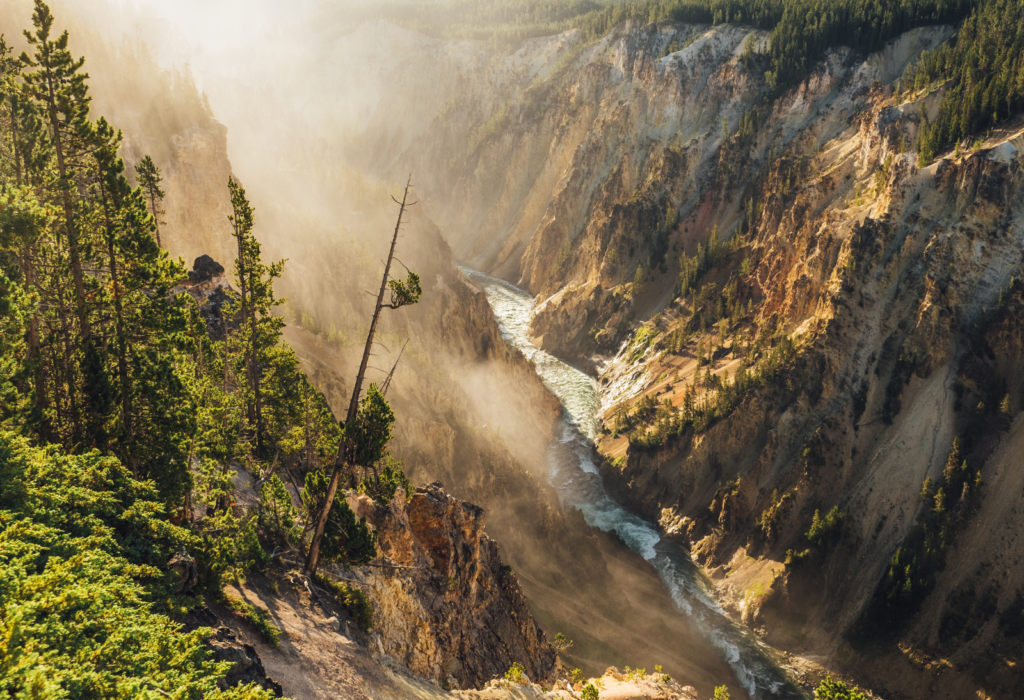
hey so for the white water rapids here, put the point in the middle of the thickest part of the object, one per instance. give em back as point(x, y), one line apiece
point(573, 473)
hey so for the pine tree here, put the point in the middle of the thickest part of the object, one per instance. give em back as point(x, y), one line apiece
point(639, 279)
point(59, 85)
point(149, 179)
point(260, 331)
point(276, 516)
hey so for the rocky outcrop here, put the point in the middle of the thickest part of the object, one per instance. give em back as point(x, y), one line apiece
point(209, 287)
point(445, 605)
point(246, 667)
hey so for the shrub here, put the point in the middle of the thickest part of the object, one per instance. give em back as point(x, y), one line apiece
point(561, 643)
point(837, 690)
point(796, 559)
point(350, 598)
point(82, 545)
point(258, 619)
point(515, 673)
point(229, 545)
point(590, 692)
point(276, 516)
point(382, 486)
point(346, 539)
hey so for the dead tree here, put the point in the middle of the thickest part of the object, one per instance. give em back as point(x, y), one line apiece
point(402, 294)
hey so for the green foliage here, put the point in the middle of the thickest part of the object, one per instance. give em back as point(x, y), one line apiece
point(837, 690)
point(313, 441)
point(516, 673)
point(590, 692)
point(700, 411)
point(371, 431)
point(910, 576)
point(561, 644)
point(708, 256)
point(576, 676)
point(642, 340)
point(796, 559)
point(721, 693)
point(385, 480)
point(229, 546)
point(405, 293)
point(639, 281)
point(276, 516)
point(149, 178)
point(15, 306)
point(351, 598)
point(81, 540)
point(773, 515)
point(258, 618)
point(825, 530)
point(985, 67)
point(346, 539)
point(259, 329)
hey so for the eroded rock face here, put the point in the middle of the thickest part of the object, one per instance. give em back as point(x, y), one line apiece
point(444, 604)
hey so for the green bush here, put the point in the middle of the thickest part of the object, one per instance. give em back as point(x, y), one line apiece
point(382, 485)
point(515, 673)
point(346, 539)
point(351, 598)
point(82, 552)
point(257, 618)
point(590, 692)
point(837, 690)
point(277, 516)
point(229, 546)
point(912, 570)
point(827, 529)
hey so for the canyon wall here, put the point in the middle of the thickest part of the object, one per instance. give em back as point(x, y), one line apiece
point(886, 289)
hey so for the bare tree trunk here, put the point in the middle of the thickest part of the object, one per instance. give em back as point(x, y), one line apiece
point(345, 446)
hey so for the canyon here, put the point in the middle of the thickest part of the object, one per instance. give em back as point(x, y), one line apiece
point(672, 321)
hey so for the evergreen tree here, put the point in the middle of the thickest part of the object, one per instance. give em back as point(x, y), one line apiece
point(345, 538)
point(276, 516)
point(149, 179)
point(260, 331)
point(57, 83)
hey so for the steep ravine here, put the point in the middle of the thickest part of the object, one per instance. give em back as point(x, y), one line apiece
point(572, 472)
point(885, 274)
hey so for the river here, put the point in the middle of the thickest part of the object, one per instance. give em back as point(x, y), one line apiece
point(575, 476)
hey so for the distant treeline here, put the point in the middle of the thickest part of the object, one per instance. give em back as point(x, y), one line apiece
point(986, 65)
point(801, 30)
point(984, 60)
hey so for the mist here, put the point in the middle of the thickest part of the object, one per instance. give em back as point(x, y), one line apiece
point(323, 125)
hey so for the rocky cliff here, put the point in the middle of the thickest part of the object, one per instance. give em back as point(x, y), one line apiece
point(445, 605)
point(850, 324)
